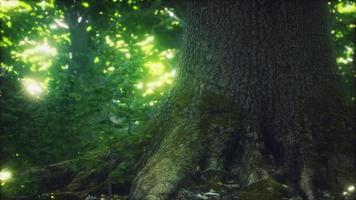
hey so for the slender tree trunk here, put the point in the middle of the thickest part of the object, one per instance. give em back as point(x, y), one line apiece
point(256, 102)
point(79, 58)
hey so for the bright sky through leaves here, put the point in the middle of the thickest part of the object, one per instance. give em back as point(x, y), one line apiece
point(5, 175)
point(32, 87)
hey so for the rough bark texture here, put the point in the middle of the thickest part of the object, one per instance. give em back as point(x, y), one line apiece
point(255, 105)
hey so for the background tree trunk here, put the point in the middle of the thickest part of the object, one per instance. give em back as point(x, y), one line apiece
point(256, 103)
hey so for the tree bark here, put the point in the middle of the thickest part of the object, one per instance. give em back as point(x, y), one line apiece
point(255, 103)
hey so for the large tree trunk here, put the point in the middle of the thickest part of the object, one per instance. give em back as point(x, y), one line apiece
point(256, 103)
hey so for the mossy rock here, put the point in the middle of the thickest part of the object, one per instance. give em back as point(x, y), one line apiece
point(268, 189)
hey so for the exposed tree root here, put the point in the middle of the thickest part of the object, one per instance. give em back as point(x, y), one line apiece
point(221, 156)
point(214, 150)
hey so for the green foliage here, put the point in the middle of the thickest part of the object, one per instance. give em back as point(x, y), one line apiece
point(343, 29)
point(80, 79)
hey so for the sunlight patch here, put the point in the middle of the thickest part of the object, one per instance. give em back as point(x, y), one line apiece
point(346, 8)
point(5, 175)
point(33, 87)
point(14, 5)
point(38, 54)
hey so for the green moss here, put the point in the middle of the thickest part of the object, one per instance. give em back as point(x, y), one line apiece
point(183, 98)
point(174, 159)
point(348, 173)
point(328, 116)
point(182, 145)
point(267, 189)
point(214, 183)
point(326, 134)
point(217, 103)
point(218, 109)
point(258, 162)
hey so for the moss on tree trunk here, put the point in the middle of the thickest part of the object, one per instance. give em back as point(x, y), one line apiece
point(242, 112)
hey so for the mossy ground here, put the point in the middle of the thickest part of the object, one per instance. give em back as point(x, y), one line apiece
point(268, 189)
